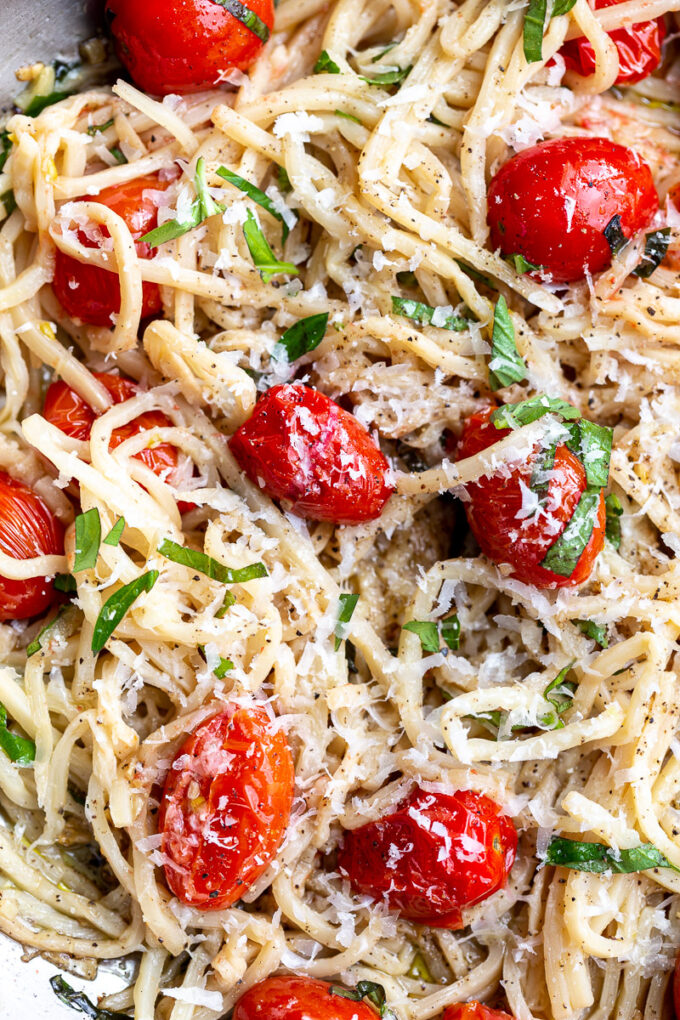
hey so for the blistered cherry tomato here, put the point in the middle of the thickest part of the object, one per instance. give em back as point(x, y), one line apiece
point(300, 446)
point(676, 989)
point(184, 45)
point(27, 529)
point(292, 997)
point(90, 293)
point(638, 46)
point(434, 855)
point(73, 415)
point(474, 1011)
point(552, 202)
point(225, 807)
point(496, 510)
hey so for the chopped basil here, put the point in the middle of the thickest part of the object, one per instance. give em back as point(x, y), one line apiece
point(592, 444)
point(201, 209)
point(36, 643)
point(379, 56)
point(65, 583)
point(534, 22)
point(247, 17)
point(370, 990)
point(541, 473)
point(511, 416)
point(80, 1002)
point(656, 246)
point(507, 364)
point(256, 194)
point(450, 628)
point(597, 858)
point(117, 605)
point(394, 77)
point(96, 129)
point(428, 632)
point(348, 604)
point(614, 235)
point(521, 264)
point(207, 565)
point(564, 554)
point(304, 336)
point(595, 631)
point(347, 116)
point(9, 202)
point(561, 7)
point(5, 148)
point(118, 155)
point(19, 750)
point(283, 179)
point(474, 274)
point(325, 64)
point(227, 602)
point(613, 523)
point(262, 255)
point(54, 83)
point(115, 534)
point(425, 315)
point(222, 667)
point(88, 540)
point(562, 691)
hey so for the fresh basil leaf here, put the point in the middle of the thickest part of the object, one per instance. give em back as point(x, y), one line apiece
point(283, 179)
point(379, 56)
point(118, 155)
point(256, 194)
point(247, 17)
point(201, 209)
point(561, 689)
point(511, 416)
point(207, 565)
point(36, 643)
point(395, 77)
point(521, 264)
point(304, 336)
point(5, 148)
point(55, 82)
point(564, 554)
point(117, 605)
point(597, 858)
point(507, 364)
point(347, 116)
point(427, 631)
point(262, 255)
point(592, 444)
point(450, 628)
point(474, 274)
point(222, 667)
point(325, 65)
point(491, 721)
point(595, 631)
point(66, 583)
point(561, 7)
point(534, 23)
point(227, 602)
point(19, 750)
point(614, 235)
point(656, 246)
point(348, 604)
point(88, 540)
point(9, 202)
point(80, 1002)
point(116, 532)
point(370, 990)
point(97, 129)
point(542, 469)
point(613, 523)
point(425, 314)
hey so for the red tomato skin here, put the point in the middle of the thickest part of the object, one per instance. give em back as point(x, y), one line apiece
point(92, 294)
point(294, 997)
point(436, 874)
point(232, 780)
point(496, 499)
point(676, 989)
point(639, 49)
point(294, 445)
point(552, 202)
point(181, 46)
point(27, 529)
point(474, 1011)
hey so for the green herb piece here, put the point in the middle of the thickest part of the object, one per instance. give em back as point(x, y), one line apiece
point(348, 604)
point(419, 970)
point(474, 274)
point(347, 116)
point(283, 179)
point(88, 540)
point(450, 628)
point(201, 209)
point(613, 521)
point(66, 583)
point(395, 77)
point(80, 1002)
point(427, 631)
point(97, 129)
point(561, 7)
point(592, 444)
point(262, 255)
point(542, 469)
point(534, 22)
point(55, 82)
point(491, 721)
point(379, 56)
point(222, 667)
point(375, 994)
point(116, 532)
point(247, 17)
point(36, 643)
point(304, 336)
point(117, 605)
point(564, 554)
point(407, 279)
point(9, 202)
point(595, 631)
point(325, 64)
point(256, 194)
point(597, 858)
point(227, 602)
point(425, 314)
point(614, 235)
point(513, 416)
point(118, 155)
point(521, 264)
point(19, 750)
point(656, 246)
point(5, 148)
point(561, 690)
point(207, 565)
point(507, 364)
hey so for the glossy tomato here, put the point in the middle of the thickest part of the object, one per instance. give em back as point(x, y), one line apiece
point(638, 46)
point(292, 997)
point(496, 508)
point(225, 807)
point(27, 529)
point(300, 446)
point(552, 202)
point(69, 412)
point(474, 1011)
point(434, 855)
point(92, 294)
point(676, 989)
point(184, 45)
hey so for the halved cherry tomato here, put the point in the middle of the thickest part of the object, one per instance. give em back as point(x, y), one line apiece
point(293, 997)
point(474, 1011)
point(183, 45)
point(225, 807)
point(27, 529)
point(300, 446)
point(638, 46)
point(90, 293)
point(69, 412)
point(552, 202)
point(676, 989)
point(496, 500)
point(434, 855)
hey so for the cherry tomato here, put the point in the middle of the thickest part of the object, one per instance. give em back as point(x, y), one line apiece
point(496, 500)
point(90, 293)
point(474, 1011)
point(69, 412)
point(293, 997)
point(638, 46)
point(27, 529)
point(183, 45)
point(225, 807)
point(434, 855)
point(552, 202)
point(300, 446)
point(676, 989)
